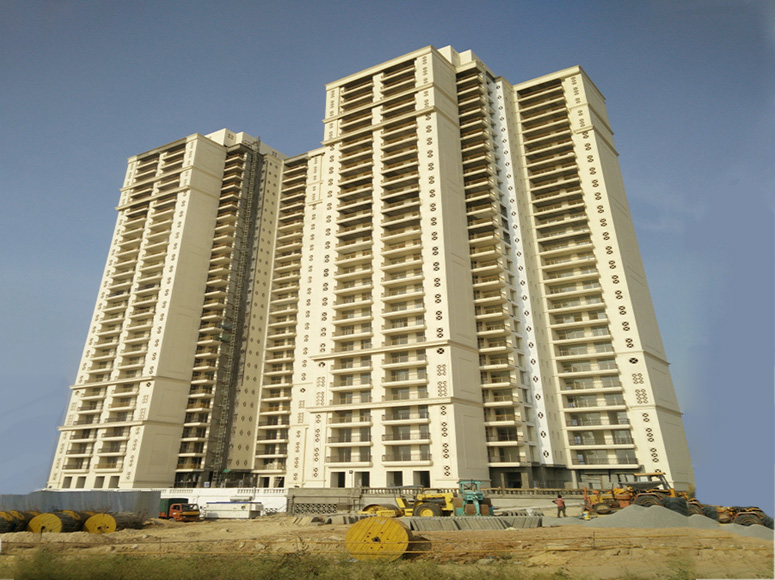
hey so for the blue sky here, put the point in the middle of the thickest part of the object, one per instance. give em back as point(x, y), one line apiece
point(689, 88)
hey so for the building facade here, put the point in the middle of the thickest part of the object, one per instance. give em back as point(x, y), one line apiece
point(449, 288)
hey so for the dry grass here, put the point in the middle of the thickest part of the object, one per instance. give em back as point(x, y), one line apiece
point(46, 565)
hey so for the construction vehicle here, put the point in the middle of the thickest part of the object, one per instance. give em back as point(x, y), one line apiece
point(474, 502)
point(651, 489)
point(744, 516)
point(179, 509)
point(647, 490)
point(467, 500)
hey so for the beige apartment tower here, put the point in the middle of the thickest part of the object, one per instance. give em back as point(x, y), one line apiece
point(449, 288)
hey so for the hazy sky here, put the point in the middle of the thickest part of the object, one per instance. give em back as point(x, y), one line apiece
point(689, 88)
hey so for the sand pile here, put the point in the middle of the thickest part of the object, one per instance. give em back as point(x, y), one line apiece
point(636, 516)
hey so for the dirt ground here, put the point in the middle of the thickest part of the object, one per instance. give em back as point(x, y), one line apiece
point(576, 550)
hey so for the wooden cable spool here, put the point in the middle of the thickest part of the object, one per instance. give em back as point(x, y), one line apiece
point(378, 538)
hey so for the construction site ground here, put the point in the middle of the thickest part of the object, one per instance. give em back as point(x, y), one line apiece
point(576, 550)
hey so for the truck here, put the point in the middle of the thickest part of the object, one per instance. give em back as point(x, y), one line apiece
point(178, 509)
point(232, 510)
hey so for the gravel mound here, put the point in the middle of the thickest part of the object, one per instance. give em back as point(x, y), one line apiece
point(700, 521)
point(549, 521)
point(750, 531)
point(636, 516)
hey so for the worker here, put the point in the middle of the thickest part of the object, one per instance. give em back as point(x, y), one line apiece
point(560, 506)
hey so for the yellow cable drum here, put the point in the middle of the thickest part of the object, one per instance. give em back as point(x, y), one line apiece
point(105, 523)
point(378, 538)
point(15, 520)
point(57, 522)
point(8, 522)
point(100, 524)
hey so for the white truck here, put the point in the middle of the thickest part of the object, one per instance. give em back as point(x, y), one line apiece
point(232, 510)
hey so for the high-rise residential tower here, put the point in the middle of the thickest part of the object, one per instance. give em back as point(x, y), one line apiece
point(161, 369)
point(449, 288)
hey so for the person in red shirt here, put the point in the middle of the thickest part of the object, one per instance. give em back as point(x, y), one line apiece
point(560, 506)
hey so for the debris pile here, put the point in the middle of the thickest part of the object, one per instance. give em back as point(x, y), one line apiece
point(636, 516)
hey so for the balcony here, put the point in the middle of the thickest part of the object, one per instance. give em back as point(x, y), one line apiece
point(493, 363)
point(584, 367)
point(274, 422)
point(411, 262)
point(491, 237)
point(355, 147)
point(390, 236)
point(346, 398)
point(408, 216)
point(352, 258)
point(363, 420)
point(109, 465)
point(350, 385)
point(351, 245)
point(404, 416)
point(629, 461)
point(360, 100)
point(189, 465)
point(350, 286)
point(398, 278)
point(579, 441)
point(581, 402)
point(353, 300)
point(413, 457)
point(403, 293)
point(355, 460)
point(280, 437)
point(595, 420)
point(399, 309)
point(493, 329)
point(506, 459)
point(401, 248)
point(422, 437)
point(354, 439)
point(414, 326)
point(491, 313)
point(404, 393)
point(353, 272)
point(126, 404)
point(355, 121)
point(113, 449)
point(505, 437)
point(592, 385)
point(504, 419)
